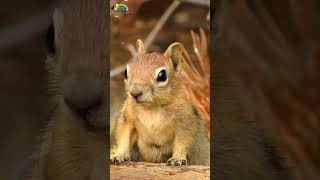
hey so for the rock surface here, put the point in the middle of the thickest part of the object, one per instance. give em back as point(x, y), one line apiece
point(150, 171)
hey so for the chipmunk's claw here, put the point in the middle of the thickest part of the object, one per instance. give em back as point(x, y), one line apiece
point(176, 162)
point(118, 159)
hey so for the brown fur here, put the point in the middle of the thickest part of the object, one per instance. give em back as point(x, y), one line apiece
point(147, 62)
point(162, 125)
point(256, 67)
point(74, 148)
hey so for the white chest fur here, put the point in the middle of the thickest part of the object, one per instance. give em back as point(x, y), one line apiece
point(151, 119)
point(155, 126)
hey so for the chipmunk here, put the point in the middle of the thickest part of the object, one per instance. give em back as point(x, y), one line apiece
point(158, 123)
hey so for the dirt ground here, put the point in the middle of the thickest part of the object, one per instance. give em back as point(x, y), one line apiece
point(148, 171)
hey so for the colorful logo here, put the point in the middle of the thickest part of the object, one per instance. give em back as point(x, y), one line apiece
point(120, 7)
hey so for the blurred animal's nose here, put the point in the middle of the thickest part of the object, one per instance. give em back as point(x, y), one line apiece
point(136, 94)
point(82, 93)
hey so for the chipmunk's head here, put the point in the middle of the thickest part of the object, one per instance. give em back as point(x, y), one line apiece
point(150, 78)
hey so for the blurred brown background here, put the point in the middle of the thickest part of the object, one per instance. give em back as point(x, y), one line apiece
point(22, 81)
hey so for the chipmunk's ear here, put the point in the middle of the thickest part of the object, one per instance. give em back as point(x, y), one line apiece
point(174, 52)
point(140, 47)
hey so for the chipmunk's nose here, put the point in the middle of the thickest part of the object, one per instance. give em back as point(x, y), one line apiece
point(82, 93)
point(136, 93)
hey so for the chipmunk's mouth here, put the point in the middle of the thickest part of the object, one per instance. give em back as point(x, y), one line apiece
point(142, 102)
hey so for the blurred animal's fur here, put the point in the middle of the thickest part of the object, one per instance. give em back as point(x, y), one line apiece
point(266, 77)
point(75, 148)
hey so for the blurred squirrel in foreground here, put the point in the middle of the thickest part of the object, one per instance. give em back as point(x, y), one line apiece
point(158, 122)
point(267, 76)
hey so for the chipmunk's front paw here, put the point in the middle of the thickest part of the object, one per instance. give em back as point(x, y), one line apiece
point(118, 159)
point(176, 162)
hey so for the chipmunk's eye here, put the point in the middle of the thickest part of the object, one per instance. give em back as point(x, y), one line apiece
point(125, 73)
point(162, 76)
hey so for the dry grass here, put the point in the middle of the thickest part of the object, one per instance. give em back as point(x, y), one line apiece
point(195, 73)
